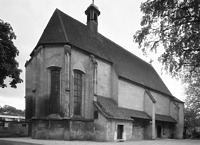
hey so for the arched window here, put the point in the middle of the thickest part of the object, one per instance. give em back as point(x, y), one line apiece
point(54, 101)
point(78, 82)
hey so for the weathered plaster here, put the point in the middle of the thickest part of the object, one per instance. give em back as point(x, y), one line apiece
point(130, 96)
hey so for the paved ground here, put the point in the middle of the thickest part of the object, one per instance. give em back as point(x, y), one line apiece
point(29, 141)
point(6, 142)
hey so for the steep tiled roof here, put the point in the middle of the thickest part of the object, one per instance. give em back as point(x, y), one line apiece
point(110, 110)
point(54, 31)
point(63, 29)
point(165, 118)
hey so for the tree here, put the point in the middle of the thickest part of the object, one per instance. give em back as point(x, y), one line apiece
point(8, 52)
point(192, 104)
point(192, 108)
point(174, 25)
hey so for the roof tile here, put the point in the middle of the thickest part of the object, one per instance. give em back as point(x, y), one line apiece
point(110, 110)
point(165, 118)
point(65, 29)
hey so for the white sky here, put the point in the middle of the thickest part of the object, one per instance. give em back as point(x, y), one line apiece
point(118, 21)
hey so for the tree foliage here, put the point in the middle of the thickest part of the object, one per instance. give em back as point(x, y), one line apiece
point(192, 104)
point(175, 25)
point(10, 110)
point(8, 52)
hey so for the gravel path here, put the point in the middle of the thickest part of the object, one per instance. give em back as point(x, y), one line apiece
point(143, 142)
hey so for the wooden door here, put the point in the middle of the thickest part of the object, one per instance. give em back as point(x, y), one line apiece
point(159, 131)
point(120, 129)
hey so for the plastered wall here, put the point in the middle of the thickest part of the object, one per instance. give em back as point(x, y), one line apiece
point(104, 78)
point(162, 103)
point(130, 95)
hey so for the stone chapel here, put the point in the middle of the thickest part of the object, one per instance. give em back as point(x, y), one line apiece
point(82, 86)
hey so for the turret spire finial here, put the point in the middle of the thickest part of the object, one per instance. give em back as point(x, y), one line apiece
point(92, 13)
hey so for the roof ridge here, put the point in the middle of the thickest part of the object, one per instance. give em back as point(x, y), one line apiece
point(70, 17)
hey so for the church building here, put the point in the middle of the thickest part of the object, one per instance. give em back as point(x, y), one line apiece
point(82, 86)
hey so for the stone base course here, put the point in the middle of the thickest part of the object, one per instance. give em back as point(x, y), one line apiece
point(143, 142)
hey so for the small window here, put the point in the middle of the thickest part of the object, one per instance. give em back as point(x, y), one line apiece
point(6, 124)
point(1, 123)
point(96, 115)
point(23, 125)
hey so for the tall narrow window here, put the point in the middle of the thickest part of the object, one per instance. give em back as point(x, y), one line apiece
point(54, 102)
point(95, 17)
point(88, 17)
point(77, 92)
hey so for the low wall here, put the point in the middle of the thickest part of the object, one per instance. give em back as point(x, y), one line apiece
point(13, 129)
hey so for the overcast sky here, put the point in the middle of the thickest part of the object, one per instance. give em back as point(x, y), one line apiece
point(118, 21)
